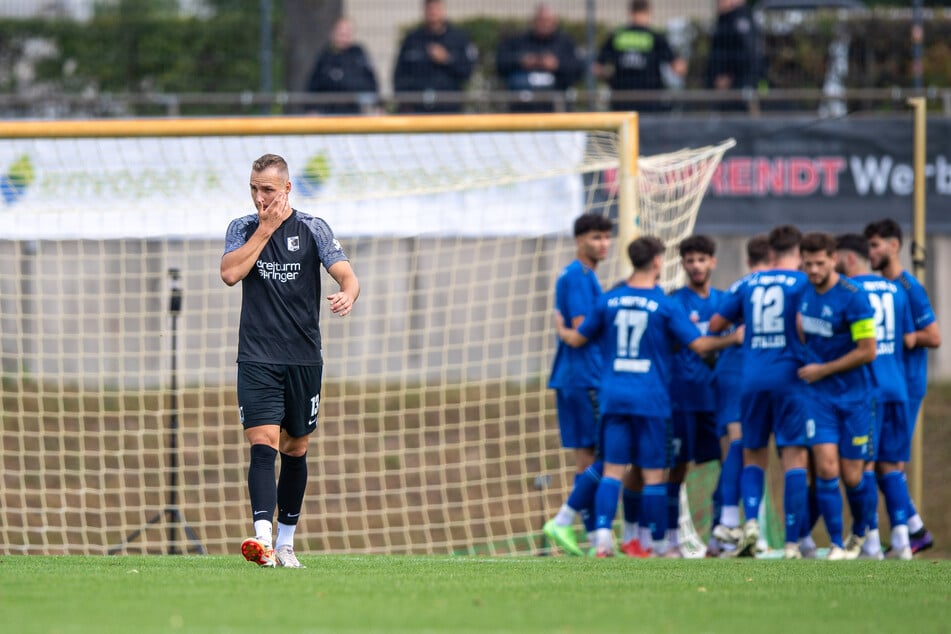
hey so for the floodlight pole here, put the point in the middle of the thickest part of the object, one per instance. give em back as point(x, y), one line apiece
point(918, 260)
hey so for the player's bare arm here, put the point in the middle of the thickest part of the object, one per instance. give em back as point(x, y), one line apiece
point(927, 337)
point(341, 302)
point(862, 353)
point(718, 324)
point(238, 263)
point(910, 339)
point(570, 336)
point(707, 344)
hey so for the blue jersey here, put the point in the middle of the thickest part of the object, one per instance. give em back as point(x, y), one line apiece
point(832, 323)
point(691, 386)
point(576, 292)
point(636, 330)
point(729, 360)
point(916, 359)
point(766, 303)
point(892, 322)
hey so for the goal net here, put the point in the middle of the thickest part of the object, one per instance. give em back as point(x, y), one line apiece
point(437, 433)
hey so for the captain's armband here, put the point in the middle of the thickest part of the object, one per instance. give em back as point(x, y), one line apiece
point(863, 329)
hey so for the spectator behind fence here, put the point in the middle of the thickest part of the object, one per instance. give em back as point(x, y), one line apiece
point(543, 58)
point(632, 59)
point(343, 67)
point(734, 61)
point(436, 57)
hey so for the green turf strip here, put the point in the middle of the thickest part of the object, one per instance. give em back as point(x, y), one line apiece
point(141, 594)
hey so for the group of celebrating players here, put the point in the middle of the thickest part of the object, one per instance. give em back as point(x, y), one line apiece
point(810, 348)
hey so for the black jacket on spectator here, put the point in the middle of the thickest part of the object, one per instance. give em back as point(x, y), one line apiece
point(416, 72)
point(348, 70)
point(508, 64)
point(733, 49)
point(637, 54)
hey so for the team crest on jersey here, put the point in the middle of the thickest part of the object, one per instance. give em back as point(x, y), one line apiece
point(826, 311)
point(293, 243)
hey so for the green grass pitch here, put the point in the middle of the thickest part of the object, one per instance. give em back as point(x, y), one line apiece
point(374, 593)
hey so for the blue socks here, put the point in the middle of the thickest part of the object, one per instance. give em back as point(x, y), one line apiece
point(830, 505)
point(654, 510)
point(858, 501)
point(871, 500)
point(582, 498)
point(895, 491)
point(751, 487)
point(605, 502)
point(795, 503)
point(730, 474)
point(632, 506)
point(673, 504)
point(812, 511)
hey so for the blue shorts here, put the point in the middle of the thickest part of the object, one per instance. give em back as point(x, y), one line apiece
point(877, 430)
point(694, 437)
point(897, 429)
point(846, 424)
point(781, 413)
point(643, 441)
point(729, 398)
point(285, 395)
point(577, 417)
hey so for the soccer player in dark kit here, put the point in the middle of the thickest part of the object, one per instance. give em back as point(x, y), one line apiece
point(276, 253)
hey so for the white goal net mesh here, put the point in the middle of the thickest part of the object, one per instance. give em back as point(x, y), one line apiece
point(437, 433)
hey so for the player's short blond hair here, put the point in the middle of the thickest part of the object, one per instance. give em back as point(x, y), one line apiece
point(268, 161)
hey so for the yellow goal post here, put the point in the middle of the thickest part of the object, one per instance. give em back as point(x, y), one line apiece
point(437, 433)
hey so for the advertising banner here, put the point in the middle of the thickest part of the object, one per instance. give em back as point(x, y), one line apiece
point(369, 185)
point(832, 175)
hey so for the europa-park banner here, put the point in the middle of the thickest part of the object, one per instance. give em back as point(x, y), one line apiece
point(369, 185)
point(821, 174)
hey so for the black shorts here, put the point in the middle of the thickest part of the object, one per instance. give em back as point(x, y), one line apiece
point(285, 395)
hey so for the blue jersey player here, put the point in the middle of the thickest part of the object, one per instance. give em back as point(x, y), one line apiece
point(576, 375)
point(728, 380)
point(692, 393)
point(276, 254)
point(636, 325)
point(894, 330)
point(773, 398)
point(837, 325)
point(884, 245)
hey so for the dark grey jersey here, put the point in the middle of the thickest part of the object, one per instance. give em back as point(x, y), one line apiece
point(280, 296)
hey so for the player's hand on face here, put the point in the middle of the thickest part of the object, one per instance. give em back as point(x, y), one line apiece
point(340, 303)
point(273, 214)
point(811, 372)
